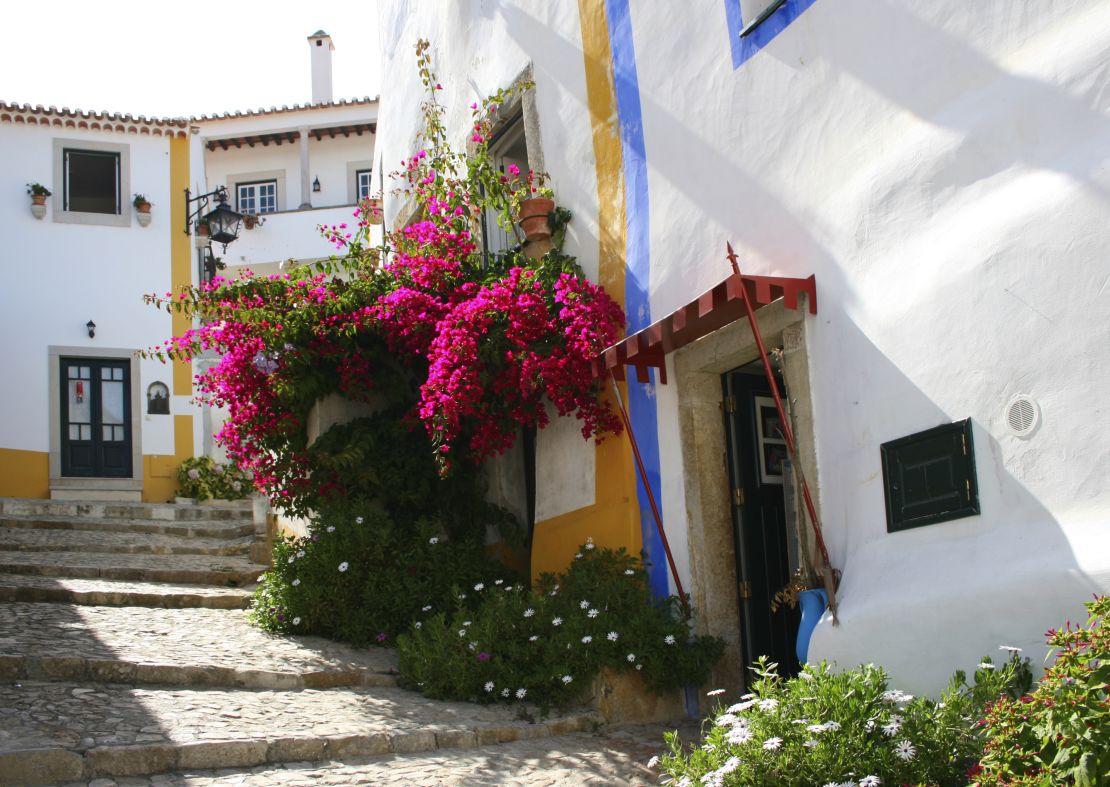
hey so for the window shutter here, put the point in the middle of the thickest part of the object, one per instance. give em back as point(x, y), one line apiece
point(929, 477)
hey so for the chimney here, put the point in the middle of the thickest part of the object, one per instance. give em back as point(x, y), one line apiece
point(322, 47)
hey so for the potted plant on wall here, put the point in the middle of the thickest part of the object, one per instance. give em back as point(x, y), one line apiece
point(203, 235)
point(142, 206)
point(536, 204)
point(38, 193)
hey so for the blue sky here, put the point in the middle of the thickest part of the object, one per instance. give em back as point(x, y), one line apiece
point(167, 60)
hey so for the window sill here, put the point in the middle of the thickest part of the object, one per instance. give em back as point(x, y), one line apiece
point(92, 219)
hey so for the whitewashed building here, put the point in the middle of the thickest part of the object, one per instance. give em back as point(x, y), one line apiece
point(940, 169)
point(82, 416)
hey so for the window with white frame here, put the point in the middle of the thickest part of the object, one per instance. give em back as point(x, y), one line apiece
point(259, 197)
point(91, 181)
point(362, 184)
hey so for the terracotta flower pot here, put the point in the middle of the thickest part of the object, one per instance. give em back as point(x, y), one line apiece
point(533, 218)
point(143, 207)
point(38, 199)
point(249, 221)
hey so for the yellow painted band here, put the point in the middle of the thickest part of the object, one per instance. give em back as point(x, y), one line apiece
point(181, 254)
point(24, 473)
point(614, 518)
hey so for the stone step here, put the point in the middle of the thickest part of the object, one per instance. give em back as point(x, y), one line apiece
point(180, 647)
point(181, 569)
point(118, 593)
point(616, 756)
point(239, 509)
point(223, 529)
point(58, 732)
point(55, 540)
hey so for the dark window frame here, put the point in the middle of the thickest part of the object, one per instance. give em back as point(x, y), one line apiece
point(256, 211)
point(359, 197)
point(947, 442)
point(67, 152)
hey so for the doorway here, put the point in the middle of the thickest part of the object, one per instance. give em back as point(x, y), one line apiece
point(96, 434)
point(758, 467)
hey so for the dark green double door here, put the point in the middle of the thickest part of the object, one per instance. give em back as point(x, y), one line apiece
point(96, 418)
point(756, 459)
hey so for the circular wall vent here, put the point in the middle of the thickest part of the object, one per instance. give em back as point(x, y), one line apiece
point(1023, 415)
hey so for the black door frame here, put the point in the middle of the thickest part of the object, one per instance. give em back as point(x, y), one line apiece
point(758, 528)
point(97, 449)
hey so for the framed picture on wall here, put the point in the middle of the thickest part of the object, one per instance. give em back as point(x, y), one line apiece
point(772, 446)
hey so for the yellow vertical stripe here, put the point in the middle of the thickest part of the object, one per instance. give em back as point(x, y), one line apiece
point(614, 518)
point(181, 254)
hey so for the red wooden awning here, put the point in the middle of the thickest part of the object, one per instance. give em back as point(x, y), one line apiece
point(713, 309)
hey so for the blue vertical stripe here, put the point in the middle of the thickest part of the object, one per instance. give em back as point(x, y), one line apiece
point(637, 290)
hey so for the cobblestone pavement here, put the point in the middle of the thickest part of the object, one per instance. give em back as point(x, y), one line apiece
point(192, 636)
point(44, 540)
point(116, 592)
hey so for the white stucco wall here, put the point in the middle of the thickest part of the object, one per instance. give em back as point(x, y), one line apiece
point(63, 275)
point(941, 167)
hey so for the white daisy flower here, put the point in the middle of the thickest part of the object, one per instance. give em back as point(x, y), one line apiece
point(520, 693)
point(300, 553)
point(567, 679)
point(358, 520)
point(586, 640)
point(291, 558)
point(479, 587)
point(417, 625)
point(342, 566)
point(578, 556)
point(772, 743)
point(891, 729)
point(731, 764)
point(727, 719)
point(296, 621)
point(905, 750)
point(529, 612)
point(533, 638)
point(583, 604)
point(653, 762)
point(592, 613)
point(810, 744)
point(986, 665)
point(833, 725)
point(740, 707)
point(462, 632)
point(639, 666)
point(557, 622)
point(589, 543)
point(505, 692)
point(631, 657)
point(426, 608)
point(629, 572)
point(331, 528)
point(1009, 648)
point(768, 704)
point(738, 736)
point(462, 596)
point(489, 686)
point(433, 540)
point(870, 781)
point(296, 582)
point(714, 693)
point(466, 622)
point(612, 636)
point(669, 639)
point(508, 588)
point(748, 697)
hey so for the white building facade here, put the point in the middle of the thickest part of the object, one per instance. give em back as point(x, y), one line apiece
point(940, 170)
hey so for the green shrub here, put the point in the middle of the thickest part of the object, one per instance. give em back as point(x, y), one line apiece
point(1059, 734)
point(361, 578)
point(545, 645)
point(826, 728)
point(202, 478)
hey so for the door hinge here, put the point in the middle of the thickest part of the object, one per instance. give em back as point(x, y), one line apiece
point(738, 496)
point(963, 439)
point(967, 485)
point(745, 591)
point(729, 404)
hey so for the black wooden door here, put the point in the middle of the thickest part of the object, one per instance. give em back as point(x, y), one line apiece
point(756, 454)
point(96, 418)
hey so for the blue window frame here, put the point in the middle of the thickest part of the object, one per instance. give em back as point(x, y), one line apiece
point(752, 24)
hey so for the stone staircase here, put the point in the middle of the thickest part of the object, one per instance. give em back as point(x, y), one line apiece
point(125, 652)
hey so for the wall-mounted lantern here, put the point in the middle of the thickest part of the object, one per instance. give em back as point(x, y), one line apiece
point(316, 184)
point(92, 328)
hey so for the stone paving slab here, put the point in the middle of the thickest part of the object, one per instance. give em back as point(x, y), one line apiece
point(198, 569)
point(117, 592)
point(129, 731)
point(183, 647)
point(55, 540)
point(615, 757)
point(232, 528)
